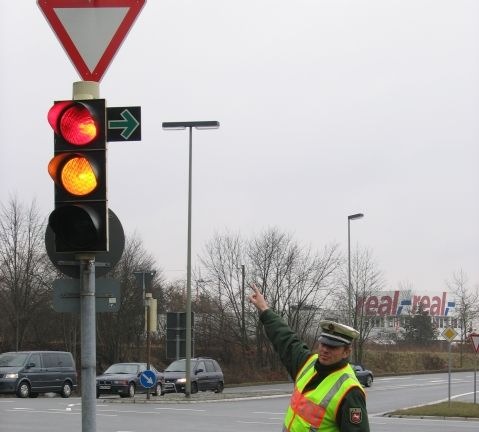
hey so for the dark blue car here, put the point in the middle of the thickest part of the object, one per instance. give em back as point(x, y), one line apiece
point(364, 376)
point(206, 374)
point(123, 379)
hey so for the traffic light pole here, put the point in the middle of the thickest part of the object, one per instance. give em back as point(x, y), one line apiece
point(88, 341)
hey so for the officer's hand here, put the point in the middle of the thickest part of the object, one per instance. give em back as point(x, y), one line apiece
point(257, 299)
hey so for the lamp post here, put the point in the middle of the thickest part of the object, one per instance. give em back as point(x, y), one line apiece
point(350, 301)
point(243, 325)
point(181, 126)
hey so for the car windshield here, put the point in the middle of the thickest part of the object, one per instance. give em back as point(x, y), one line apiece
point(177, 366)
point(122, 368)
point(13, 359)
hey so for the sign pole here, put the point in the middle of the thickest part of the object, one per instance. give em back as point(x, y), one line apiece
point(148, 340)
point(449, 334)
point(475, 380)
point(475, 343)
point(449, 376)
point(88, 341)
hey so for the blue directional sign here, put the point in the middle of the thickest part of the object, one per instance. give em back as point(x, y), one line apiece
point(148, 379)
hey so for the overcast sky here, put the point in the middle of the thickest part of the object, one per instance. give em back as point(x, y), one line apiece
point(327, 108)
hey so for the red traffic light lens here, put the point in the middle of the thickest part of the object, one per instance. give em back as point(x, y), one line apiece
point(77, 125)
point(74, 122)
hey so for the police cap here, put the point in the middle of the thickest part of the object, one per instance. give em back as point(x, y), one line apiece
point(336, 334)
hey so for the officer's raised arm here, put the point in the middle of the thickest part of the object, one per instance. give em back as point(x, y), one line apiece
point(257, 299)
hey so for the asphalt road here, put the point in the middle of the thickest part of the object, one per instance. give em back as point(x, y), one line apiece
point(255, 409)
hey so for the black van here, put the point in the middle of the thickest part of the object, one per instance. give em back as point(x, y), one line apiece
point(28, 373)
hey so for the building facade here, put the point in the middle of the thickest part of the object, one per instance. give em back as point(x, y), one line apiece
point(389, 310)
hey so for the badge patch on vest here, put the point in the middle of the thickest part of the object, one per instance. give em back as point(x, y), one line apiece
point(355, 415)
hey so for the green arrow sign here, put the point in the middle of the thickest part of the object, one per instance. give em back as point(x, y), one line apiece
point(124, 124)
point(128, 124)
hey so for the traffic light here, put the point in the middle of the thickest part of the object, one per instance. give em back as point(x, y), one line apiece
point(80, 218)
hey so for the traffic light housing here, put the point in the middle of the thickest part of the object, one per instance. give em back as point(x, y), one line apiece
point(78, 168)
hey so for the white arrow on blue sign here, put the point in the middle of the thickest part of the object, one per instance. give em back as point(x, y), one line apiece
point(148, 379)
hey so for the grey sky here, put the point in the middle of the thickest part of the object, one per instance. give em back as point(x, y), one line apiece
point(327, 108)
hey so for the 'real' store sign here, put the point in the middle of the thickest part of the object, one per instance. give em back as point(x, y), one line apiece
point(396, 303)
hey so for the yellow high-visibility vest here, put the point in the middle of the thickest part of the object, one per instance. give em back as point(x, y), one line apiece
point(317, 408)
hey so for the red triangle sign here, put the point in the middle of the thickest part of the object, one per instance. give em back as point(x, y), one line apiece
point(475, 341)
point(91, 31)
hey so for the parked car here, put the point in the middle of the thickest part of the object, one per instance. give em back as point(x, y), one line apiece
point(124, 379)
point(365, 376)
point(206, 374)
point(28, 373)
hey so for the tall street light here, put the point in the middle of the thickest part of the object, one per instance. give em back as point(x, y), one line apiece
point(350, 294)
point(180, 126)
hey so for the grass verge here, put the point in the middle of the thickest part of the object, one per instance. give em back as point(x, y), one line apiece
point(443, 409)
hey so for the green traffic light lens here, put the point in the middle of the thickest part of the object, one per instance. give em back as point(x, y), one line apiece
point(76, 226)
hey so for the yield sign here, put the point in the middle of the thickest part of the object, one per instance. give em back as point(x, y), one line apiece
point(475, 341)
point(91, 31)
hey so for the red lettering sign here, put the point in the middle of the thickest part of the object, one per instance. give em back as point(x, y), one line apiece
point(387, 305)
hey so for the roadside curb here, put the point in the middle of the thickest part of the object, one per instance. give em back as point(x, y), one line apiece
point(431, 417)
point(194, 399)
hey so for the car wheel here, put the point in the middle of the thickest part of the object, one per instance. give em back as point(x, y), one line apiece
point(131, 390)
point(369, 381)
point(158, 390)
point(66, 390)
point(23, 390)
point(194, 387)
point(220, 387)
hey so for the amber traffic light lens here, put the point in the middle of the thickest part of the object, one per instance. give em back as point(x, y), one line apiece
point(78, 177)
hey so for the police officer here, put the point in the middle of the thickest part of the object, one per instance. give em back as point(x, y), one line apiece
point(327, 395)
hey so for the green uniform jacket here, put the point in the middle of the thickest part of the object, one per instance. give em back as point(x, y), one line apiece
point(294, 353)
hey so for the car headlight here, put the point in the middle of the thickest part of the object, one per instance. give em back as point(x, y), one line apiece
point(124, 382)
point(11, 375)
point(180, 380)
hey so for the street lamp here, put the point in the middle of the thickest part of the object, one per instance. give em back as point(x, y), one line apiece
point(180, 126)
point(350, 304)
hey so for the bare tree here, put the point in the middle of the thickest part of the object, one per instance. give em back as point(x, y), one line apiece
point(223, 260)
point(120, 335)
point(310, 288)
point(295, 283)
point(467, 303)
point(25, 272)
point(366, 280)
